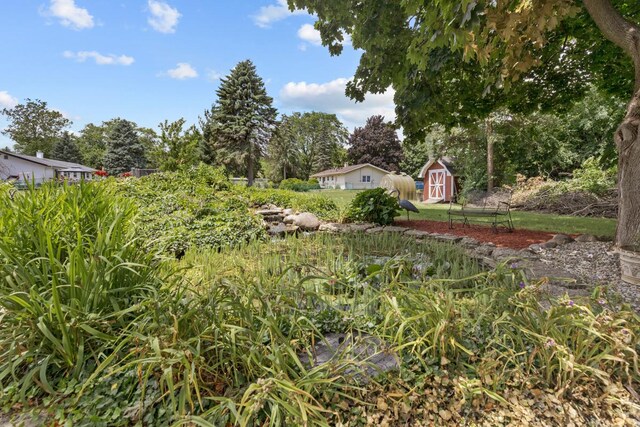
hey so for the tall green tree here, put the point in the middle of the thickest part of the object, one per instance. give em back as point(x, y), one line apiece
point(376, 143)
point(92, 143)
point(34, 127)
point(404, 45)
point(66, 149)
point(125, 151)
point(416, 153)
point(240, 123)
point(177, 147)
point(306, 143)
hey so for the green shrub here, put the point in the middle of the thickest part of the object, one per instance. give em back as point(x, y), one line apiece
point(73, 278)
point(374, 206)
point(296, 184)
point(193, 207)
point(593, 178)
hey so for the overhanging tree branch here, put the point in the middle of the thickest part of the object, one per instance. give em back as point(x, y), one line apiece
point(619, 30)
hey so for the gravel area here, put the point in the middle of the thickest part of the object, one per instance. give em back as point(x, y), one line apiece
point(592, 264)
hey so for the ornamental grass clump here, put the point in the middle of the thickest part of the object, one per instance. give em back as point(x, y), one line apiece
point(73, 277)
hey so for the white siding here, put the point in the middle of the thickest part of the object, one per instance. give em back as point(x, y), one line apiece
point(354, 179)
point(25, 170)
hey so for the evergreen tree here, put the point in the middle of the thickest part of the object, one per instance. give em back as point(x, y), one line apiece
point(376, 143)
point(241, 122)
point(124, 149)
point(66, 149)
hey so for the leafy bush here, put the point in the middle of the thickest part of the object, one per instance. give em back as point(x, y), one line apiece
point(593, 178)
point(296, 184)
point(374, 206)
point(191, 207)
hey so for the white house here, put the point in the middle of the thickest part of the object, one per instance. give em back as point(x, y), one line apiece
point(356, 177)
point(38, 169)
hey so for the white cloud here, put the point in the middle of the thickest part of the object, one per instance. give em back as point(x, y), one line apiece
point(99, 58)
point(164, 18)
point(6, 100)
point(214, 76)
point(267, 15)
point(182, 71)
point(330, 98)
point(310, 34)
point(71, 15)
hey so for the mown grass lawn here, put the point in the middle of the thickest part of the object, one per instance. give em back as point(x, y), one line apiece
point(525, 220)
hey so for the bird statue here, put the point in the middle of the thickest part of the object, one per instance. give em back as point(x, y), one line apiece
point(404, 203)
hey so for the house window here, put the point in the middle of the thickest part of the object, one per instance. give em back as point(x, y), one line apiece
point(6, 157)
point(366, 178)
point(75, 174)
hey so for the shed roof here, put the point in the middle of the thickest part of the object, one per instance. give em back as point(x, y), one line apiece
point(56, 164)
point(446, 162)
point(344, 170)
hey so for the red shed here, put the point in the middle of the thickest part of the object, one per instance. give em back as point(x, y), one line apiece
point(440, 180)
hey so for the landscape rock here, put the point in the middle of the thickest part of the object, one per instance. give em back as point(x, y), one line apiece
point(536, 248)
point(273, 218)
point(417, 234)
point(447, 238)
point(281, 230)
point(395, 229)
point(287, 212)
point(562, 239)
point(484, 250)
point(549, 245)
point(333, 227)
point(468, 242)
point(503, 254)
point(361, 227)
point(269, 212)
point(586, 238)
point(289, 219)
point(306, 221)
point(374, 230)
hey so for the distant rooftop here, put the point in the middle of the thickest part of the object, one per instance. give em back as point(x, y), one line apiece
point(346, 169)
point(56, 164)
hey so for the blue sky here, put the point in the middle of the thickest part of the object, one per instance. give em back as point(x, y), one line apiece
point(151, 60)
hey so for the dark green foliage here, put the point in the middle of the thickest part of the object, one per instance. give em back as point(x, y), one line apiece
point(177, 147)
point(239, 124)
point(296, 184)
point(124, 149)
point(376, 143)
point(92, 143)
point(374, 206)
point(34, 127)
point(305, 144)
point(192, 207)
point(67, 150)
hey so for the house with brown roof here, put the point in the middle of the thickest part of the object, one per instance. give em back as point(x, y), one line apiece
point(355, 177)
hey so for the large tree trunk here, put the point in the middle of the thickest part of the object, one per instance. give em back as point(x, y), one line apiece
point(627, 138)
point(250, 165)
point(490, 145)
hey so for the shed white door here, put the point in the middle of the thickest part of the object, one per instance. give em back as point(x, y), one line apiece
point(437, 184)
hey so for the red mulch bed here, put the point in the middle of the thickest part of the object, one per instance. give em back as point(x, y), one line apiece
point(518, 239)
